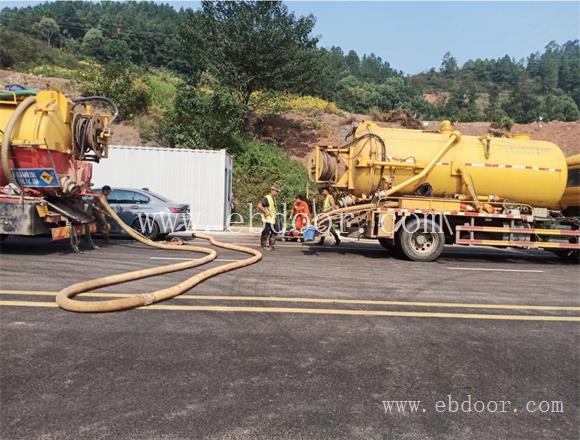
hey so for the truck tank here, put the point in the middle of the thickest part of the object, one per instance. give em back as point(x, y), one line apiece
point(49, 140)
point(444, 164)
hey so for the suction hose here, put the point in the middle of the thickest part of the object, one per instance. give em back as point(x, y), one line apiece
point(14, 118)
point(65, 297)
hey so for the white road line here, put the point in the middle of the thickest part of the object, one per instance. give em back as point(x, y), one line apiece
point(189, 259)
point(496, 270)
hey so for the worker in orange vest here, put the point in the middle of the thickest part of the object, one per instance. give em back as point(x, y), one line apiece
point(300, 213)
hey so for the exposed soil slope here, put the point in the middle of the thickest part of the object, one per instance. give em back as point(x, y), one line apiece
point(298, 134)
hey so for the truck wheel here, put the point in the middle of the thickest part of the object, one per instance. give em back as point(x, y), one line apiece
point(568, 254)
point(386, 243)
point(149, 229)
point(421, 240)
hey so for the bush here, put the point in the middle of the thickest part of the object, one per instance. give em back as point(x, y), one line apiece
point(267, 103)
point(506, 123)
point(121, 83)
point(204, 119)
point(260, 165)
point(312, 104)
point(54, 71)
point(162, 86)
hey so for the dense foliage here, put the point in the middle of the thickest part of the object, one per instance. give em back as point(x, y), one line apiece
point(206, 119)
point(258, 166)
point(119, 82)
point(253, 46)
point(140, 32)
point(544, 85)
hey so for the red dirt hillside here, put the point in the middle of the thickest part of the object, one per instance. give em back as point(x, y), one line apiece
point(298, 134)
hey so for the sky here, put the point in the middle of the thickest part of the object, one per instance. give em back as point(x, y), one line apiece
point(414, 36)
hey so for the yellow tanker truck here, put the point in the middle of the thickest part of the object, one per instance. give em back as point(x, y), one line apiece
point(417, 190)
point(47, 144)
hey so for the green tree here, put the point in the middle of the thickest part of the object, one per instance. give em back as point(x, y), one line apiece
point(374, 69)
point(204, 120)
point(46, 28)
point(92, 43)
point(448, 64)
point(120, 82)
point(561, 108)
point(523, 103)
point(250, 46)
point(353, 63)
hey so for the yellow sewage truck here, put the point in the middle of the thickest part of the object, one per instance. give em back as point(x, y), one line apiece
point(48, 143)
point(416, 191)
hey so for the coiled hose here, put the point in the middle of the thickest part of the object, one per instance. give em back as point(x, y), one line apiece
point(65, 298)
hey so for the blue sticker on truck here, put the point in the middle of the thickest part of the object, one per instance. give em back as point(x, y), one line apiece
point(36, 177)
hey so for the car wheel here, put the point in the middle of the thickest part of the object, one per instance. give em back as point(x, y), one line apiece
point(148, 228)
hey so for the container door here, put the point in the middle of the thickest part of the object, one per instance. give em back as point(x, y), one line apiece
point(229, 198)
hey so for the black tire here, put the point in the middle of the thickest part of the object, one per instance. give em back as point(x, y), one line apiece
point(386, 243)
point(421, 240)
point(568, 254)
point(152, 232)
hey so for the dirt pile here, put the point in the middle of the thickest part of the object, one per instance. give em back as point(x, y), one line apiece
point(67, 86)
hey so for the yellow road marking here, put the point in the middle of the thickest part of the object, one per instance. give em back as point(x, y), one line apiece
point(323, 312)
point(311, 300)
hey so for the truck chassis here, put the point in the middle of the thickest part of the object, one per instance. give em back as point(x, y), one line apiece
point(418, 228)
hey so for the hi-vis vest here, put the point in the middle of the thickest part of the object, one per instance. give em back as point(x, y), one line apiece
point(326, 204)
point(271, 217)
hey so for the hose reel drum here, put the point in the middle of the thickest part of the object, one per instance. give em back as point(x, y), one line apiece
point(91, 130)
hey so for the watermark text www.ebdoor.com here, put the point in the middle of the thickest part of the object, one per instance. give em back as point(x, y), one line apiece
point(471, 405)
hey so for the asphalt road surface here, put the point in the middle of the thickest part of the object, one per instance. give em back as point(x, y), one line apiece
point(311, 343)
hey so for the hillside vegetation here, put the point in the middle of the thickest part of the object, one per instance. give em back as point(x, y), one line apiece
point(230, 73)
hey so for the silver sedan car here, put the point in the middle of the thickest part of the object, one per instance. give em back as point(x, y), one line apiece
point(152, 214)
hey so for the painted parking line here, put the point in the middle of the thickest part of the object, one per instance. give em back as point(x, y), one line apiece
point(344, 312)
point(487, 269)
point(313, 300)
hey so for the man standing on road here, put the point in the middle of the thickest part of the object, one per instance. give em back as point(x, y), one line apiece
point(100, 216)
point(268, 207)
point(328, 205)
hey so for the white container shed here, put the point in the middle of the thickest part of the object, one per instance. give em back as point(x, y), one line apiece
point(200, 178)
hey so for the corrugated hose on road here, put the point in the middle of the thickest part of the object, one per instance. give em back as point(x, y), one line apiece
point(65, 298)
